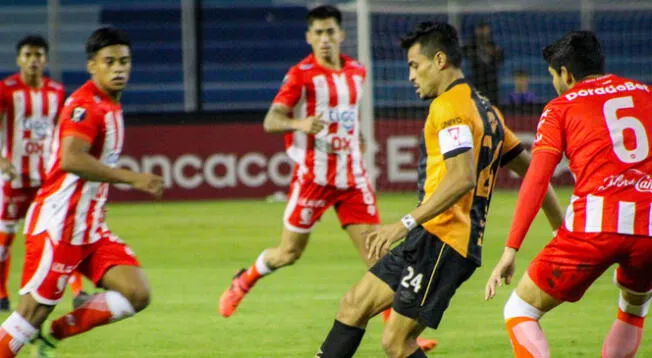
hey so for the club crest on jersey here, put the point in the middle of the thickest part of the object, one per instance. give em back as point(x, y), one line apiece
point(78, 114)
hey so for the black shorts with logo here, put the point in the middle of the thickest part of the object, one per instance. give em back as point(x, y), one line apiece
point(424, 272)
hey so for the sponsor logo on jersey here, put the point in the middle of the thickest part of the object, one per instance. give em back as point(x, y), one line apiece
point(344, 117)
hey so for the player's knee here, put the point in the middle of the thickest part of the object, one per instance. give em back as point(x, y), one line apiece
point(139, 297)
point(396, 345)
point(517, 307)
point(353, 310)
point(634, 303)
point(289, 257)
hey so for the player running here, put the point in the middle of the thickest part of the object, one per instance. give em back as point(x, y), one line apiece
point(464, 142)
point(65, 228)
point(29, 106)
point(602, 123)
point(317, 110)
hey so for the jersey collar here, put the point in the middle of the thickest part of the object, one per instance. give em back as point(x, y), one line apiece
point(458, 81)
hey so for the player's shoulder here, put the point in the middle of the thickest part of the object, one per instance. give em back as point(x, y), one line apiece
point(85, 99)
point(53, 85)
point(11, 82)
point(452, 100)
point(307, 64)
point(353, 64)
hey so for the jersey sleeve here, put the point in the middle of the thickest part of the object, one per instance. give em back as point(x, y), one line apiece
point(549, 136)
point(291, 89)
point(454, 134)
point(512, 146)
point(82, 120)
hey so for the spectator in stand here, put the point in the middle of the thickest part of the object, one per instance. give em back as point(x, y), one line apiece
point(485, 58)
point(521, 94)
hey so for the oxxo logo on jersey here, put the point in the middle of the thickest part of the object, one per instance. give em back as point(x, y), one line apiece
point(219, 170)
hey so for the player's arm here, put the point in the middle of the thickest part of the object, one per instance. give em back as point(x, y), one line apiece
point(76, 159)
point(460, 178)
point(551, 207)
point(278, 120)
point(547, 153)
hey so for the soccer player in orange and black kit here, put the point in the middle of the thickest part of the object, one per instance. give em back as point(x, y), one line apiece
point(29, 106)
point(603, 124)
point(464, 142)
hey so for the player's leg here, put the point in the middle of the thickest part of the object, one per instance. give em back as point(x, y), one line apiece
point(634, 276)
point(42, 287)
point(373, 294)
point(307, 202)
point(363, 301)
point(562, 272)
point(400, 337)
point(7, 235)
point(526, 305)
point(111, 265)
point(22, 326)
point(8, 219)
point(358, 233)
point(358, 213)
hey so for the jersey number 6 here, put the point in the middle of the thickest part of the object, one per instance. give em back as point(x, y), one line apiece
point(617, 127)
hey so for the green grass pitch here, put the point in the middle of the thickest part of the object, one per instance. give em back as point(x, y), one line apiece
point(190, 250)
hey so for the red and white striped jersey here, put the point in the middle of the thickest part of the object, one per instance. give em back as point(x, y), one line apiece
point(332, 156)
point(28, 117)
point(68, 207)
point(604, 126)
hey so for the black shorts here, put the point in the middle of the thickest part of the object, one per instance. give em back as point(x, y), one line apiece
point(424, 272)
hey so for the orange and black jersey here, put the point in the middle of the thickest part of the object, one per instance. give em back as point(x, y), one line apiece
point(460, 120)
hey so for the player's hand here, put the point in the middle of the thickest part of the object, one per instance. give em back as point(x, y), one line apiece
point(7, 169)
point(312, 124)
point(379, 242)
point(504, 270)
point(149, 183)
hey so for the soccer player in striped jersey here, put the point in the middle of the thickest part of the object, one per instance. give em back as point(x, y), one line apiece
point(464, 143)
point(603, 124)
point(65, 228)
point(30, 103)
point(317, 111)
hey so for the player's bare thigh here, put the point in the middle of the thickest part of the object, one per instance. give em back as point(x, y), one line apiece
point(529, 292)
point(358, 233)
point(364, 300)
point(289, 250)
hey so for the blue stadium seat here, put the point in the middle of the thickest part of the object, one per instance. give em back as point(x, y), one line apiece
point(255, 52)
point(251, 14)
point(255, 31)
point(237, 74)
point(154, 96)
point(143, 15)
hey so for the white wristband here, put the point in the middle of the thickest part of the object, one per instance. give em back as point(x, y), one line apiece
point(409, 222)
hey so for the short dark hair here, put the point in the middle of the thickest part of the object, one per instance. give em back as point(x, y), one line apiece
point(579, 51)
point(434, 37)
point(33, 40)
point(324, 12)
point(520, 73)
point(105, 37)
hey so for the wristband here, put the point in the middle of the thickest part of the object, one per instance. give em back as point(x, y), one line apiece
point(409, 222)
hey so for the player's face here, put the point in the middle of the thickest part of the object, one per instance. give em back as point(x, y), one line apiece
point(32, 60)
point(110, 67)
point(325, 37)
point(424, 72)
point(559, 79)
